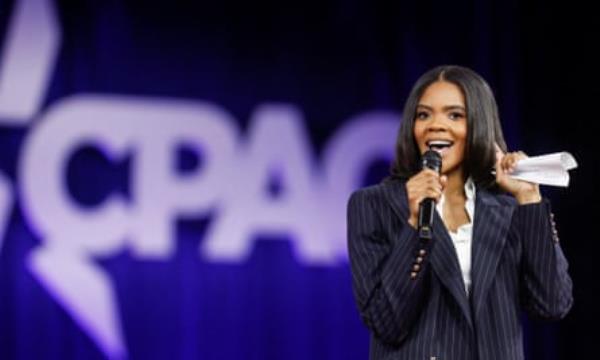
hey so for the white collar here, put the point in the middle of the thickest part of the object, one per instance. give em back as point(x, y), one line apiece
point(470, 192)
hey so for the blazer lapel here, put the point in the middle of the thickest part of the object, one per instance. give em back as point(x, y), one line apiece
point(492, 220)
point(444, 260)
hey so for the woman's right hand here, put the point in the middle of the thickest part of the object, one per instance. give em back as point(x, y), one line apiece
point(425, 184)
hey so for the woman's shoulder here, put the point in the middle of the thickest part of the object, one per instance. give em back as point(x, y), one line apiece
point(385, 188)
point(500, 196)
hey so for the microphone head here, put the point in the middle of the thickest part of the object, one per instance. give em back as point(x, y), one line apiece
point(432, 160)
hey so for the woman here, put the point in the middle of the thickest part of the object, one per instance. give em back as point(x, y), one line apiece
point(494, 250)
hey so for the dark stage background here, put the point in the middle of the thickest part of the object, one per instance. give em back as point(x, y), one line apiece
point(341, 70)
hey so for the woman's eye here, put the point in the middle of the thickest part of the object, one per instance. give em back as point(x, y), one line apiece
point(456, 116)
point(422, 115)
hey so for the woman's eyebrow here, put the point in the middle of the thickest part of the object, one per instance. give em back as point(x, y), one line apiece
point(454, 107)
point(445, 108)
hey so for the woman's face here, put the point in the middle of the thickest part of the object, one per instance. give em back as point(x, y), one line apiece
point(441, 124)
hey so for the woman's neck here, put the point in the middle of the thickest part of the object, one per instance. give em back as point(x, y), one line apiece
point(455, 185)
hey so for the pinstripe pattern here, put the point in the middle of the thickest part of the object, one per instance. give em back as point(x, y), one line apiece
point(516, 264)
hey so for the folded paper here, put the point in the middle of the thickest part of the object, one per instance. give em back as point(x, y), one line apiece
point(551, 169)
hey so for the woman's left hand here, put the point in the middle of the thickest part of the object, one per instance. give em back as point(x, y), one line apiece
point(525, 192)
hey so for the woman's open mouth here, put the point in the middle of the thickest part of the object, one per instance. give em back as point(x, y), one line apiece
point(440, 146)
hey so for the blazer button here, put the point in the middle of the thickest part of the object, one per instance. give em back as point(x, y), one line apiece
point(419, 260)
point(413, 275)
point(422, 252)
point(416, 267)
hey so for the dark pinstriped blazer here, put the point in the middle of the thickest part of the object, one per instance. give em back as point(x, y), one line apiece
point(516, 264)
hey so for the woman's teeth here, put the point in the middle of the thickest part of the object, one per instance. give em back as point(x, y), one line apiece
point(440, 146)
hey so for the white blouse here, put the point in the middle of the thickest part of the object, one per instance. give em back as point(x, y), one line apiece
point(463, 235)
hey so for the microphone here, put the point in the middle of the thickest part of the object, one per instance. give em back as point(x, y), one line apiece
point(430, 160)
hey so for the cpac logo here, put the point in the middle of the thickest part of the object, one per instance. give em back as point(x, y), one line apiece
point(234, 171)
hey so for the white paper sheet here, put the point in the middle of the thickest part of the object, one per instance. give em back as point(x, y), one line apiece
point(551, 169)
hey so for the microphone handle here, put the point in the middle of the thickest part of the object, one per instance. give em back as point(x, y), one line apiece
point(426, 209)
point(431, 160)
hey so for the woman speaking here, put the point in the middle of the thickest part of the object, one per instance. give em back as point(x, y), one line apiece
point(493, 252)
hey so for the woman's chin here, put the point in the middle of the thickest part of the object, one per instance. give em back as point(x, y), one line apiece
point(451, 169)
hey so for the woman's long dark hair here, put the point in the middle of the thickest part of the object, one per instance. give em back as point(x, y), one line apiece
point(483, 126)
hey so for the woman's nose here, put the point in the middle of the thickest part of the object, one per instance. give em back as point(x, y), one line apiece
point(437, 123)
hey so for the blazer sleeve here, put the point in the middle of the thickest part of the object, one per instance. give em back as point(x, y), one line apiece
point(545, 283)
point(388, 297)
